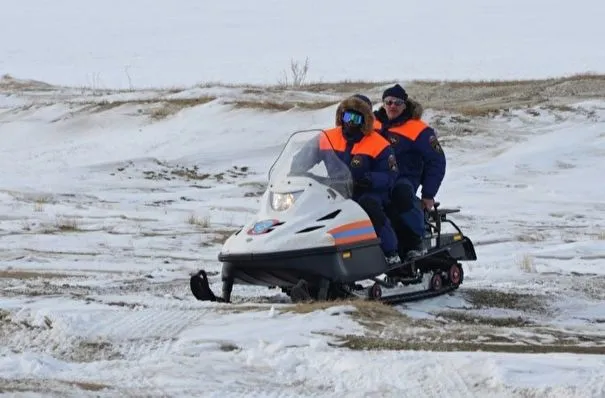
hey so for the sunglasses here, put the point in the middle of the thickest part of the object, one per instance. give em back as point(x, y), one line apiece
point(352, 118)
point(397, 102)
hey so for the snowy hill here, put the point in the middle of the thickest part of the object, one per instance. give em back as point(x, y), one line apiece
point(109, 204)
point(122, 175)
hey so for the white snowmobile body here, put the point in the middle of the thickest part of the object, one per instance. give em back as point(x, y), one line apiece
point(307, 225)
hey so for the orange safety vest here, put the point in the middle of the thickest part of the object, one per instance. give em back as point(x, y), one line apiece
point(370, 145)
point(410, 129)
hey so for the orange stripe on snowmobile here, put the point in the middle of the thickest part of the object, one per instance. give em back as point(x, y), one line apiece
point(370, 145)
point(410, 129)
point(354, 232)
point(353, 239)
point(351, 226)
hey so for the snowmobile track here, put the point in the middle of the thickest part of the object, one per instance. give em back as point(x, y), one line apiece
point(443, 382)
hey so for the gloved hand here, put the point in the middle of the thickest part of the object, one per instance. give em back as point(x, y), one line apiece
point(361, 185)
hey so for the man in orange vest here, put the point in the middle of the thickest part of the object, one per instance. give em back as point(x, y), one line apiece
point(420, 159)
point(370, 160)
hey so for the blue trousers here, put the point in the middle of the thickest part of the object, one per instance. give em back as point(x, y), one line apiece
point(373, 205)
point(408, 206)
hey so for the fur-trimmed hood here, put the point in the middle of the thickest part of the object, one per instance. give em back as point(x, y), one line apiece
point(357, 105)
point(415, 107)
point(413, 110)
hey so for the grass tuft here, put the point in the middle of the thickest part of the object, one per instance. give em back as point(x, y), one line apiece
point(67, 224)
point(202, 222)
point(280, 106)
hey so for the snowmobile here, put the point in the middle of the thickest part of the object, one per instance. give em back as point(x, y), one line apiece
point(310, 239)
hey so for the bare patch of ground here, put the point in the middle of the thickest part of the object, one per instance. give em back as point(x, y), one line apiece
point(156, 108)
point(376, 343)
point(485, 298)
point(193, 173)
point(10, 84)
point(45, 386)
point(26, 274)
point(482, 98)
point(365, 310)
point(462, 330)
point(21, 335)
point(217, 237)
point(280, 106)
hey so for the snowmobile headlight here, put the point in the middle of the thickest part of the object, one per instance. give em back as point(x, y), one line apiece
point(283, 201)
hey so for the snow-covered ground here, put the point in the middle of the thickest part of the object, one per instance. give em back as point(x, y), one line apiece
point(106, 211)
point(108, 200)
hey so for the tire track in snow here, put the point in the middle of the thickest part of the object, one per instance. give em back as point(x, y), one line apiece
point(444, 381)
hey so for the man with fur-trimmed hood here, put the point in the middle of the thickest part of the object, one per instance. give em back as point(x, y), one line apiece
point(420, 158)
point(370, 160)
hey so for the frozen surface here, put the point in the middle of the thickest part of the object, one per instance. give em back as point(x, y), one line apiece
point(97, 238)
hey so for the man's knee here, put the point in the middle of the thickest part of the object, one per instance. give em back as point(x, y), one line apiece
point(372, 206)
point(404, 197)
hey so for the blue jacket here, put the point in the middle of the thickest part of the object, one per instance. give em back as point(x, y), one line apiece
point(419, 155)
point(369, 157)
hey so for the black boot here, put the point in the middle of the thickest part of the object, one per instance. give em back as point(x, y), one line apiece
point(413, 248)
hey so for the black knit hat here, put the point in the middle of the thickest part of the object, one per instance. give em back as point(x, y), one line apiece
point(364, 99)
point(396, 91)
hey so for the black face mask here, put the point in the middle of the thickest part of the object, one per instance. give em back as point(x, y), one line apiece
point(352, 132)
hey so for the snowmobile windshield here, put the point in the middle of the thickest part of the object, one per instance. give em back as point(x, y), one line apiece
point(310, 153)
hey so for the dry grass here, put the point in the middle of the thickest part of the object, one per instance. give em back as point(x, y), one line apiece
point(173, 106)
point(280, 106)
point(470, 98)
point(372, 314)
point(67, 224)
point(389, 329)
point(217, 237)
point(21, 274)
point(88, 386)
point(499, 322)
point(9, 83)
point(164, 107)
point(526, 264)
point(202, 222)
point(485, 298)
point(345, 86)
point(496, 83)
point(48, 387)
point(355, 342)
point(532, 236)
point(485, 98)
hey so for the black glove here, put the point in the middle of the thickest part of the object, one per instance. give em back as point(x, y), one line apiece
point(361, 185)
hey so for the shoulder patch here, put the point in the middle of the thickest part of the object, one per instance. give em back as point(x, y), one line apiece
point(435, 144)
point(357, 161)
point(393, 163)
